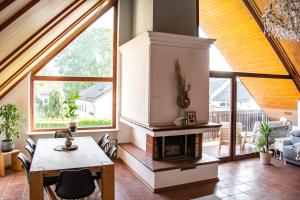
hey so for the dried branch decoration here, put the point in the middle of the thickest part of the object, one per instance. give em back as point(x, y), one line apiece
point(183, 100)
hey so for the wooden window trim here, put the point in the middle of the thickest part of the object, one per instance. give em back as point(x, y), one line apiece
point(34, 77)
point(232, 76)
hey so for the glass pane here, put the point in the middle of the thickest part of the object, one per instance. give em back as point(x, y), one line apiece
point(249, 116)
point(89, 55)
point(94, 105)
point(217, 144)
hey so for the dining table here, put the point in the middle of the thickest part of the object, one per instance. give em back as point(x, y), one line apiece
point(48, 162)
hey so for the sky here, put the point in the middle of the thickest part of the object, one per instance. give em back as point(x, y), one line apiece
point(216, 60)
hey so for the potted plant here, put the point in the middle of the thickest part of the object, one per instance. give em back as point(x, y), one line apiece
point(11, 120)
point(262, 145)
point(71, 110)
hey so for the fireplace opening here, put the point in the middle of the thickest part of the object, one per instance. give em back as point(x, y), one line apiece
point(175, 147)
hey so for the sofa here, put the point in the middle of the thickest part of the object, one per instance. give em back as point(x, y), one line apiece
point(289, 154)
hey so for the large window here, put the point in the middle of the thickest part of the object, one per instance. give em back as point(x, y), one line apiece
point(85, 68)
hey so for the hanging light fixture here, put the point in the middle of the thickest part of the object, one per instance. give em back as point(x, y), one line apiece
point(282, 19)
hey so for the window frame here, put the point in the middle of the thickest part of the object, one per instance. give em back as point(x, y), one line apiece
point(112, 79)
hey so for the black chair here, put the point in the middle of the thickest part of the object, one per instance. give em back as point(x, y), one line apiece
point(62, 134)
point(103, 138)
point(31, 143)
point(30, 150)
point(75, 184)
point(47, 182)
point(111, 151)
point(105, 144)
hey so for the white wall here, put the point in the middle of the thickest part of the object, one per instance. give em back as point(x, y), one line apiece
point(142, 18)
point(19, 96)
point(276, 114)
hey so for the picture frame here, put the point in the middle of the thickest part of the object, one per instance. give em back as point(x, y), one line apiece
point(191, 118)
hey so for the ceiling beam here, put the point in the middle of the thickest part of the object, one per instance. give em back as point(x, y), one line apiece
point(39, 34)
point(18, 14)
point(5, 4)
point(279, 50)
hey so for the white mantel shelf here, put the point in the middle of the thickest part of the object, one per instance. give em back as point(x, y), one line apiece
point(172, 130)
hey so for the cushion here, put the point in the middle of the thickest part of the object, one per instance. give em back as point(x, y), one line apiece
point(295, 132)
point(295, 139)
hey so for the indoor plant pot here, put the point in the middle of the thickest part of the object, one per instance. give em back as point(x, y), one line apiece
point(11, 120)
point(73, 126)
point(265, 158)
point(7, 145)
point(263, 143)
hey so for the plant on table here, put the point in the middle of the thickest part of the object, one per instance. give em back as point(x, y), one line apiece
point(11, 121)
point(72, 107)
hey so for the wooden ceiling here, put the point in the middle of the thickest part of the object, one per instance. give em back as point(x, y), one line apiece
point(33, 31)
point(245, 47)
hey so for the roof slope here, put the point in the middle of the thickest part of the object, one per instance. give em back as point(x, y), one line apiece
point(30, 38)
point(246, 49)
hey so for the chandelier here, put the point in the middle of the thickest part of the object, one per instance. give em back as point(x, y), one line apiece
point(282, 19)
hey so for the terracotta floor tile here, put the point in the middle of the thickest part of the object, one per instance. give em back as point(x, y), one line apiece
point(246, 179)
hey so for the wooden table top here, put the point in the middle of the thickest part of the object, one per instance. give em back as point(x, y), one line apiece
point(88, 155)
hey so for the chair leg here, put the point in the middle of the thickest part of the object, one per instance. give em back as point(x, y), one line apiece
point(50, 193)
point(219, 147)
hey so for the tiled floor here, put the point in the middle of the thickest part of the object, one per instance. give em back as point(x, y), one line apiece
point(211, 148)
point(246, 179)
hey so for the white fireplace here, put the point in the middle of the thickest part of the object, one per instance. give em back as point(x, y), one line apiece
point(161, 154)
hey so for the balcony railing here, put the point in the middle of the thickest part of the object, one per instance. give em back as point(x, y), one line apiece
point(246, 117)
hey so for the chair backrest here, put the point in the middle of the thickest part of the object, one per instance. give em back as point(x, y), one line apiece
point(31, 143)
point(111, 151)
point(75, 184)
point(30, 150)
point(103, 137)
point(62, 134)
point(225, 133)
point(105, 144)
point(26, 163)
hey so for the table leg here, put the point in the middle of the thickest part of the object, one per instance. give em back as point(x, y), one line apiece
point(15, 162)
point(2, 165)
point(36, 189)
point(108, 182)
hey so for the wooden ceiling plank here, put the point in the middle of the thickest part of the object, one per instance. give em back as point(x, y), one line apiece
point(59, 48)
point(5, 4)
point(18, 14)
point(27, 42)
point(281, 53)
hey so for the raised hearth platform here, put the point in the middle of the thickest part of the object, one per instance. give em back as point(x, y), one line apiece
point(162, 175)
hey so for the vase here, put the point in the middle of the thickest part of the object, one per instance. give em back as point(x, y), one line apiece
point(7, 145)
point(181, 112)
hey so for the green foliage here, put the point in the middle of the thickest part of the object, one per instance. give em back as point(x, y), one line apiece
point(90, 54)
point(71, 106)
point(82, 123)
point(55, 107)
point(265, 131)
point(12, 119)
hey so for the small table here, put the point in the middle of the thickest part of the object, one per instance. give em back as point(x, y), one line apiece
point(279, 143)
point(15, 162)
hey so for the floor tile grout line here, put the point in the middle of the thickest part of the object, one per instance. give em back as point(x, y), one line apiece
point(6, 187)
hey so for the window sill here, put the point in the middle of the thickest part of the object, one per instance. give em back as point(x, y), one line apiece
point(77, 132)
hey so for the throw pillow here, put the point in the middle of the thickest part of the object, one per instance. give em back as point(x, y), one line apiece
point(295, 133)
